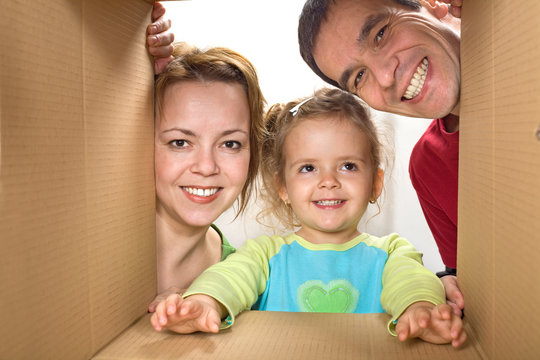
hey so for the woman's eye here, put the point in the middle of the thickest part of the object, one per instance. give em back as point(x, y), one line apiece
point(307, 168)
point(232, 144)
point(380, 34)
point(358, 78)
point(178, 143)
point(350, 166)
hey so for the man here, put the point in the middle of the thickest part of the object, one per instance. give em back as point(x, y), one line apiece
point(401, 56)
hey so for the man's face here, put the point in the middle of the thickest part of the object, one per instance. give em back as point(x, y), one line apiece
point(396, 59)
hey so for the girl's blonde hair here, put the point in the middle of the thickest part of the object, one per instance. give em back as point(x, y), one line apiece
point(279, 121)
point(219, 64)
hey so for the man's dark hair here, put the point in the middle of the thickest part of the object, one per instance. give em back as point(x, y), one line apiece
point(313, 14)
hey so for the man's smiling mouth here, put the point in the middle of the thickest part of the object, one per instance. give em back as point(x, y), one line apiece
point(417, 81)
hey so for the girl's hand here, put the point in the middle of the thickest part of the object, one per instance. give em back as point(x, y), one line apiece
point(186, 316)
point(159, 38)
point(163, 296)
point(434, 324)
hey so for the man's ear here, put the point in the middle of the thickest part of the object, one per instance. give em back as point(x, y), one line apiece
point(378, 182)
point(436, 8)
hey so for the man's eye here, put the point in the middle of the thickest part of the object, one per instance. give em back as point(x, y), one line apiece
point(358, 78)
point(232, 144)
point(380, 34)
point(307, 168)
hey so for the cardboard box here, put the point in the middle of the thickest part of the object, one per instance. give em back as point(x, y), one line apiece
point(77, 264)
point(77, 199)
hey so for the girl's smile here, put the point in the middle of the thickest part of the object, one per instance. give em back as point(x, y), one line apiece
point(329, 178)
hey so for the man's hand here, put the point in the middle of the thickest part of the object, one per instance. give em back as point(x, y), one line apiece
point(455, 7)
point(159, 38)
point(454, 297)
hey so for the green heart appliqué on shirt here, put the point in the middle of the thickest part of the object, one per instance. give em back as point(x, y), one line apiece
point(338, 296)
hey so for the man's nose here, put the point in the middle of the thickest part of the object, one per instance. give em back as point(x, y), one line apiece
point(384, 69)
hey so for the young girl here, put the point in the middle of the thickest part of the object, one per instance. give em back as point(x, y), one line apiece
point(320, 172)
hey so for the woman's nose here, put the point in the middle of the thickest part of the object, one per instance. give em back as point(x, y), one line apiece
point(205, 163)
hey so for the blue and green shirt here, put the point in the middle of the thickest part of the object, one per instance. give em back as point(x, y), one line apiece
point(367, 274)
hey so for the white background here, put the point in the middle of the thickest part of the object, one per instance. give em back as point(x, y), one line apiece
point(266, 33)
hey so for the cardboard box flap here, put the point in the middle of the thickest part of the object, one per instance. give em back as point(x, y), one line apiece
point(499, 193)
point(282, 335)
point(77, 197)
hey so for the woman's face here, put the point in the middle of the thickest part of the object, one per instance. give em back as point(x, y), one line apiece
point(201, 150)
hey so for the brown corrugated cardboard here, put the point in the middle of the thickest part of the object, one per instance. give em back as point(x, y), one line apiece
point(281, 335)
point(77, 200)
point(499, 227)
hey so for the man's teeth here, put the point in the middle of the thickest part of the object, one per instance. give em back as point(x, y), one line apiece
point(201, 192)
point(329, 202)
point(417, 81)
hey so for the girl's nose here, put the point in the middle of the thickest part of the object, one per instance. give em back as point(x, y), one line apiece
point(329, 180)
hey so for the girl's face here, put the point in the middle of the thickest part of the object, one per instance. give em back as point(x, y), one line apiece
point(329, 178)
point(201, 151)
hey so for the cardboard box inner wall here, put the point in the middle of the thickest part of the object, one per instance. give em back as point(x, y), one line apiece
point(77, 227)
point(499, 175)
point(76, 191)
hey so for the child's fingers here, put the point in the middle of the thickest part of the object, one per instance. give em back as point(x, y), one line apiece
point(403, 329)
point(443, 311)
point(155, 322)
point(160, 313)
point(213, 322)
point(457, 332)
point(152, 306)
point(423, 318)
point(460, 339)
point(172, 303)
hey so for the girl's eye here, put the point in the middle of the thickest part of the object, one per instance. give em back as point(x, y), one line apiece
point(307, 168)
point(178, 143)
point(358, 78)
point(380, 34)
point(232, 144)
point(350, 166)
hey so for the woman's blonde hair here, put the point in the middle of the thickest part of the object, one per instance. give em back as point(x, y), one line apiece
point(279, 121)
point(223, 65)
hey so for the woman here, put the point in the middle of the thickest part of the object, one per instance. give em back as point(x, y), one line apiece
point(208, 125)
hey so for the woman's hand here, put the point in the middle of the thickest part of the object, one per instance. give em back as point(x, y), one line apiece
point(159, 38)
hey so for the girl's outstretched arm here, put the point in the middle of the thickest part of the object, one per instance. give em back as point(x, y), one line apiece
point(432, 323)
point(189, 315)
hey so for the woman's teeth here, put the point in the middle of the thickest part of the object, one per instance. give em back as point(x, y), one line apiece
point(417, 81)
point(201, 192)
point(329, 202)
